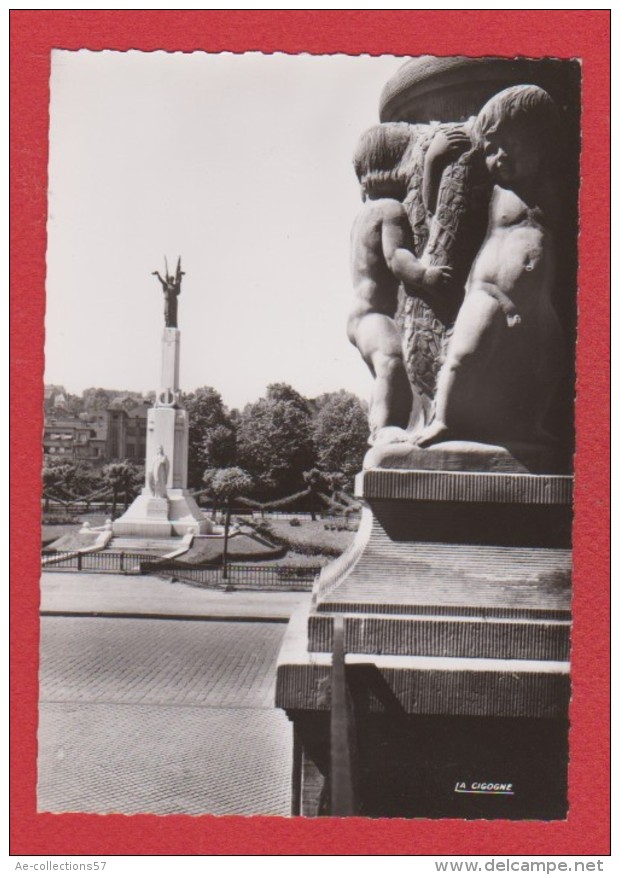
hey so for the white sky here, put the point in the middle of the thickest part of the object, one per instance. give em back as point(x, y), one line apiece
point(241, 164)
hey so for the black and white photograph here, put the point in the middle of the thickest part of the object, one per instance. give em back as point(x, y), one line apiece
point(308, 440)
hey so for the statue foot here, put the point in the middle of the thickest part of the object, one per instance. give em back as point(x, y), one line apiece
point(433, 434)
point(390, 434)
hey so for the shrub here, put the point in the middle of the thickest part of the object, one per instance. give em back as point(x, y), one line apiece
point(294, 522)
point(58, 520)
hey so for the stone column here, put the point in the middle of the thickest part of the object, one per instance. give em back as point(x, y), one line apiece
point(168, 424)
point(167, 427)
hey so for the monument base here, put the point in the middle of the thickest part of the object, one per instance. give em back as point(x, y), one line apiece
point(515, 458)
point(152, 517)
point(454, 605)
point(433, 737)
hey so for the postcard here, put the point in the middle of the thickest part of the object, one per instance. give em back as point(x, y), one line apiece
point(312, 372)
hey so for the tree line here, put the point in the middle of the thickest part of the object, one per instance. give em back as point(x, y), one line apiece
point(278, 446)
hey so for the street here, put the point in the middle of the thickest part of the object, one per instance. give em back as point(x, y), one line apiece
point(161, 716)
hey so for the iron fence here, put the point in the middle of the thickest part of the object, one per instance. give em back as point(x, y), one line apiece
point(249, 577)
point(118, 563)
point(246, 577)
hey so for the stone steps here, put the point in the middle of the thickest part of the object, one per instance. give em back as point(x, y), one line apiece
point(161, 546)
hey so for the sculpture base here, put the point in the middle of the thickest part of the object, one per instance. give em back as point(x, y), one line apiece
point(454, 600)
point(518, 458)
point(152, 517)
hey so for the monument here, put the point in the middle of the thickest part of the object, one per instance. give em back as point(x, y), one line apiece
point(165, 508)
point(430, 677)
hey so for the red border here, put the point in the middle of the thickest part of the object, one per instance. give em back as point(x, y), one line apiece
point(562, 33)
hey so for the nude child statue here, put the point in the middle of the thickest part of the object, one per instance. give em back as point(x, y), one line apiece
point(381, 258)
point(505, 356)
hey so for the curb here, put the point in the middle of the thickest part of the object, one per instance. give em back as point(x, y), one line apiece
point(208, 618)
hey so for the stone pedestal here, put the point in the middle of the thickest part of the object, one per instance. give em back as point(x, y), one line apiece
point(176, 513)
point(430, 678)
point(455, 602)
point(149, 517)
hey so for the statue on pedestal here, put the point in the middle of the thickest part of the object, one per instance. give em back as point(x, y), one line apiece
point(172, 289)
point(453, 268)
point(158, 475)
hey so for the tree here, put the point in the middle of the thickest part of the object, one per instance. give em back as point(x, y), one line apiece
point(208, 448)
point(224, 485)
point(219, 446)
point(122, 479)
point(286, 393)
point(68, 481)
point(317, 484)
point(56, 480)
point(97, 398)
point(274, 441)
point(340, 432)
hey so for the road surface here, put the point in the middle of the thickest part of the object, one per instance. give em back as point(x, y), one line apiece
point(161, 716)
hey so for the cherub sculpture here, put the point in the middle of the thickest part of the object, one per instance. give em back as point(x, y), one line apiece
point(505, 355)
point(391, 228)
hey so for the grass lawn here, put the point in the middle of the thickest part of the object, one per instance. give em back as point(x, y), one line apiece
point(51, 531)
point(313, 533)
point(310, 533)
point(299, 560)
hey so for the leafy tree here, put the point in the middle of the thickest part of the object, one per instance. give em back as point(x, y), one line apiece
point(317, 484)
point(340, 432)
point(274, 441)
point(207, 412)
point(121, 477)
point(97, 398)
point(126, 400)
point(219, 446)
point(62, 404)
point(224, 485)
point(286, 393)
point(74, 405)
point(56, 480)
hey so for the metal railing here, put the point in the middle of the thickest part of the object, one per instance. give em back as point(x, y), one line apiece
point(247, 577)
point(250, 577)
point(118, 563)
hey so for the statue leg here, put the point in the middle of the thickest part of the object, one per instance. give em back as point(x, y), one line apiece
point(378, 340)
point(477, 331)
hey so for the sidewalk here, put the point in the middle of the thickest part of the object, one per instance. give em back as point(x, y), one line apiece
point(73, 593)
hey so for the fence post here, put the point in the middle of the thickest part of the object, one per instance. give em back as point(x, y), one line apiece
point(79, 561)
point(297, 774)
point(121, 563)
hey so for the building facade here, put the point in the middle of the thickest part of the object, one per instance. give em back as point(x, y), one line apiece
point(97, 437)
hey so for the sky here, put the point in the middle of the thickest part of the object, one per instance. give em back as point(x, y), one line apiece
point(241, 164)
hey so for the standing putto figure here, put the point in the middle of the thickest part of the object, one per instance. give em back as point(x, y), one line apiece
point(172, 289)
point(409, 264)
point(505, 356)
point(454, 265)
